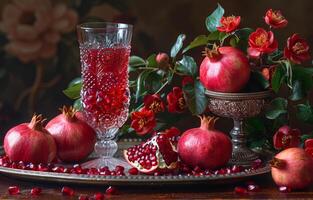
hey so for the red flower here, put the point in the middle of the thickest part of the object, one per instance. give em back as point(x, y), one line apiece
point(261, 41)
point(187, 80)
point(229, 24)
point(275, 19)
point(153, 103)
point(286, 137)
point(176, 101)
point(297, 49)
point(143, 121)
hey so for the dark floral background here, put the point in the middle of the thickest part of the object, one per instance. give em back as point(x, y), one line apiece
point(39, 53)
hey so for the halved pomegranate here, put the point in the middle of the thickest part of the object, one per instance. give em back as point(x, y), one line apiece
point(157, 154)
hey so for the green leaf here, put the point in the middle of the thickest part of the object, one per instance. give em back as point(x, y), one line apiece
point(234, 41)
point(305, 76)
point(151, 60)
point(154, 81)
point(195, 97)
point(213, 36)
point(73, 92)
point(78, 104)
point(304, 137)
point(278, 78)
point(213, 20)
point(277, 107)
point(75, 81)
point(136, 61)
point(305, 113)
point(187, 66)
point(275, 56)
point(243, 33)
point(178, 45)
point(170, 76)
point(201, 40)
point(297, 92)
point(141, 83)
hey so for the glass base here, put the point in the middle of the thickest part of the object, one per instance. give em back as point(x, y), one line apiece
point(109, 162)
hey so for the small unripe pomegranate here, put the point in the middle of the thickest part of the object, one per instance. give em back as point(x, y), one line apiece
point(163, 60)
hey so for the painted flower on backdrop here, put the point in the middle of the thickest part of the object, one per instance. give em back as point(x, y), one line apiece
point(261, 41)
point(34, 28)
point(297, 49)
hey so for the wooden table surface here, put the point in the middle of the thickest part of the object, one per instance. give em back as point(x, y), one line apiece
point(52, 191)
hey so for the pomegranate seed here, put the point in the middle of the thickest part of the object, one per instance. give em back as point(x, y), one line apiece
point(42, 168)
point(119, 168)
point(83, 197)
point(14, 165)
point(98, 196)
point(68, 170)
point(14, 190)
point(93, 171)
point(157, 174)
point(240, 190)
point(197, 169)
point(111, 190)
point(113, 173)
point(67, 191)
point(207, 172)
point(102, 169)
point(120, 173)
point(59, 169)
point(106, 173)
point(253, 188)
point(133, 171)
point(256, 164)
point(284, 189)
point(32, 166)
point(35, 191)
point(236, 169)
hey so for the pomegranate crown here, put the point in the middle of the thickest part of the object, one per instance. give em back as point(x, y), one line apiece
point(212, 53)
point(208, 122)
point(36, 122)
point(277, 163)
point(69, 112)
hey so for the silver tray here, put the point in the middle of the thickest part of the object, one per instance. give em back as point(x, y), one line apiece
point(130, 180)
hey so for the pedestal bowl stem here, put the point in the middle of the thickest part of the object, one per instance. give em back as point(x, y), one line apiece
point(241, 155)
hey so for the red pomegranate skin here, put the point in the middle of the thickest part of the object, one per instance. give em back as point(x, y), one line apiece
point(226, 71)
point(75, 139)
point(296, 171)
point(204, 147)
point(29, 142)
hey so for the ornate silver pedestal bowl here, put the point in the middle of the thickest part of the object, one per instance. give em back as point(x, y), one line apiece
point(238, 106)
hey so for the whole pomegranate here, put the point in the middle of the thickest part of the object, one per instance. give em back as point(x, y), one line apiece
point(75, 139)
point(156, 155)
point(224, 69)
point(292, 168)
point(30, 142)
point(205, 146)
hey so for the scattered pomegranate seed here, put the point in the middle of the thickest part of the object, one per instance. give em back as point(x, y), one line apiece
point(284, 189)
point(14, 190)
point(35, 191)
point(119, 168)
point(93, 171)
point(67, 191)
point(236, 169)
point(83, 197)
point(113, 173)
point(133, 171)
point(197, 169)
point(98, 196)
point(42, 168)
point(240, 190)
point(157, 174)
point(253, 188)
point(120, 173)
point(105, 173)
point(111, 190)
point(59, 169)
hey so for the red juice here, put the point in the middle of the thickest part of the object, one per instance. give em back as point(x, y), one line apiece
point(105, 93)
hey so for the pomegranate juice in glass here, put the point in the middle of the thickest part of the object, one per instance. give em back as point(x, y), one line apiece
point(104, 53)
